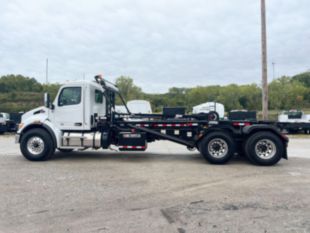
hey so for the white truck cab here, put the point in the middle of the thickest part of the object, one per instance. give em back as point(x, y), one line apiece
point(76, 108)
point(139, 106)
point(216, 110)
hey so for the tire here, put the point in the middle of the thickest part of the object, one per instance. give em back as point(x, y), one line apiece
point(213, 116)
point(264, 148)
point(217, 147)
point(65, 150)
point(37, 145)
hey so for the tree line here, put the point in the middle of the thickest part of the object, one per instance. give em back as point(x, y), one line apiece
point(284, 93)
point(20, 93)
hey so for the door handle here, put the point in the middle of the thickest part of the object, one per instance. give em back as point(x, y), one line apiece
point(78, 124)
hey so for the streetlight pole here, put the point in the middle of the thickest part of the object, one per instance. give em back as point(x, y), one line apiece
point(264, 61)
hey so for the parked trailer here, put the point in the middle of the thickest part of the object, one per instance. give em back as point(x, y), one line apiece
point(293, 128)
point(82, 116)
point(294, 121)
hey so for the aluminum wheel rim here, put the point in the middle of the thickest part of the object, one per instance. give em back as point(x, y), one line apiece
point(35, 145)
point(218, 148)
point(265, 149)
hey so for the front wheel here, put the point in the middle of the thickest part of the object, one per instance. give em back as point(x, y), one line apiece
point(37, 145)
point(217, 147)
point(264, 148)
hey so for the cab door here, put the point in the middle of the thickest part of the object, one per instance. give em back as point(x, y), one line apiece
point(69, 108)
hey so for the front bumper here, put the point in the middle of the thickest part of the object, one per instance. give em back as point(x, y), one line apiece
point(17, 138)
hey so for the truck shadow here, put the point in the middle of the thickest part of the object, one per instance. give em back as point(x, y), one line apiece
point(134, 157)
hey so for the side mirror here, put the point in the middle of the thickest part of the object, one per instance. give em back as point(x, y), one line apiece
point(47, 100)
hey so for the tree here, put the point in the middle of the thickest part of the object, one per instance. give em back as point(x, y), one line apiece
point(20, 93)
point(303, 78)
point(128, 89)
point(19, 83)
point(287, 93)
point(229, 96)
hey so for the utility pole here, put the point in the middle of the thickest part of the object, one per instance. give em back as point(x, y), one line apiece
point(264, 61)
point(46, 71)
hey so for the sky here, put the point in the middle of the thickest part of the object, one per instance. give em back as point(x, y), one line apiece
point(160, 44)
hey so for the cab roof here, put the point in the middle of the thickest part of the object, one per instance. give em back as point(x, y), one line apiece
point(92, 83)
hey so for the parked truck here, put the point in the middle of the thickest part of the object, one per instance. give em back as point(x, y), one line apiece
point(294, 121)
point(215, 110)
point(3, 119)
point(83, 116)
point(9, 122)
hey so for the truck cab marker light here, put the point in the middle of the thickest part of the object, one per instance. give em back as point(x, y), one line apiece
point(20, 126)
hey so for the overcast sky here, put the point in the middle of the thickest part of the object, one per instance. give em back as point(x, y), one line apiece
point(159, 44)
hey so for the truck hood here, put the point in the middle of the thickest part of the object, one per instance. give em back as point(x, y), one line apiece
point(40, 111)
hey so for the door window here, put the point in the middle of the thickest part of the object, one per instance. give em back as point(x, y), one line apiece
point(70, 96)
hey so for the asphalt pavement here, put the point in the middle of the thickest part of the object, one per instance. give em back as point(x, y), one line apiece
point(166, 189)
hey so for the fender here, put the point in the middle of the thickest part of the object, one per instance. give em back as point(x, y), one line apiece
point(254, 128)
point(224, 128)
point(39, 125)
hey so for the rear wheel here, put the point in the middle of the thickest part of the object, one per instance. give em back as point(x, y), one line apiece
point(217, 147)
point(37, 145)
point(264, 148)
